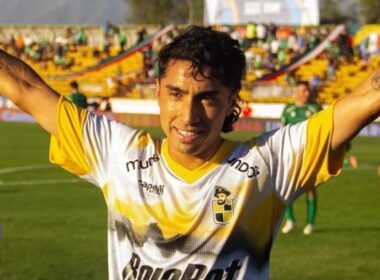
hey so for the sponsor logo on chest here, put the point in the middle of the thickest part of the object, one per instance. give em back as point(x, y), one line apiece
point(135, 269)
point(139, 164)
point(151, 188)
point(252, 171)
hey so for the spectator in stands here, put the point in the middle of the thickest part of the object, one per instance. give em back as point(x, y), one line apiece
point(331, 68)
point(272, 30)
point(141, 34)
point(60, 58)
point(169, 37)
point(77, 97)
point(292, 42)
point(156, 47)
point(294, 113)
point(107, 44)
point(301, 40)
point(250, 33)
point(274, 47)
point(122, 39)
point(109, 28)
point(261, 32)
point(19, 41)
point(313, 39)
point(11, 44)
point(80, 38)
point(281, 57)
point(148, 61)
point(344, 43)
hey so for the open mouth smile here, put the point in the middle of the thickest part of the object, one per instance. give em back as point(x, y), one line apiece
point(188, 136)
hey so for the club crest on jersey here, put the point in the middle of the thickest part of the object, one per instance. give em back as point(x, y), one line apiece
point(222, 206)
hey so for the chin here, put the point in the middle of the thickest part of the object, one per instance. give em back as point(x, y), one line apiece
point(189, 149)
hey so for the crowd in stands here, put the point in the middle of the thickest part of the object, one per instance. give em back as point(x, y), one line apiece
point(267, 47)
point(33, 46)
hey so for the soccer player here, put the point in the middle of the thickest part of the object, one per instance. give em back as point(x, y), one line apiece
point(77, 97)
point(164, 219)
point(300, 110)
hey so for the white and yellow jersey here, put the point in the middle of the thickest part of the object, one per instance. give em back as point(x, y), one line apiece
point(215, 222)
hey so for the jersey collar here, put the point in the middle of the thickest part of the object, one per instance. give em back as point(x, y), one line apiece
point(192, 175)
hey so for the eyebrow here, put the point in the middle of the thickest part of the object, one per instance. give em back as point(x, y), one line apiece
point(204, 92)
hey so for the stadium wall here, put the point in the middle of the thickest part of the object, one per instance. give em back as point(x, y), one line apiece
point(145, 113)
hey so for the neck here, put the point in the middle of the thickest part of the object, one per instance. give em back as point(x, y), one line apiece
point(300, 104)
point(193, 161)
point(188, 161)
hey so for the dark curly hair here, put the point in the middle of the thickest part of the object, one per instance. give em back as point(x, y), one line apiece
point(207, 48)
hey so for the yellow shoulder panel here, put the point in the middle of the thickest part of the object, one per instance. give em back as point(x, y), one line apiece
point(67, 149)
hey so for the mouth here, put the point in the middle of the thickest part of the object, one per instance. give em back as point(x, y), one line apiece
point(188, 136)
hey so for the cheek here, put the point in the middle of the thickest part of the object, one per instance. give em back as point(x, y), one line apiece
point(168, 111)
point(172, 107)
point(211, 113)
point(218, 111)
point(216, 117)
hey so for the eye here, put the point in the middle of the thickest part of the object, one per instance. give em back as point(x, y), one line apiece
point(209, 99)
point(175, 94)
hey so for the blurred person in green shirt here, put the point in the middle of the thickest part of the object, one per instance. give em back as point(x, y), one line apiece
point(77, 97)
point(293, 113)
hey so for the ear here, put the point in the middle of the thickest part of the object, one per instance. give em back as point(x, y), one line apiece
point(232, 103)
point(157, 88)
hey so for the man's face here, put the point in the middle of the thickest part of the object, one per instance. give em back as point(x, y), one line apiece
point(192, 111)
point(302, 94)
point(221, 198)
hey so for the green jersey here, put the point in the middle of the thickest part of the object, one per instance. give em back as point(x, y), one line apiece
point(293, 114)
point(79, 99)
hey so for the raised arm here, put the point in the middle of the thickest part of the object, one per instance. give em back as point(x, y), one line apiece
point(355, 111)
point(21, 84)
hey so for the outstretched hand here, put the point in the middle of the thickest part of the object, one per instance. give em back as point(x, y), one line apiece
point(355, 111)
point(370, 83)
point(375, 80)
point(25, 88)
point(16, 75)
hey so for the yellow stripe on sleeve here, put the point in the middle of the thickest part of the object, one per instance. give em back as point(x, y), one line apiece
point(318, 165)
point(67, 150)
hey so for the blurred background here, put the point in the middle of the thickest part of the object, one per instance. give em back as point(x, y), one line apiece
point(108, 48)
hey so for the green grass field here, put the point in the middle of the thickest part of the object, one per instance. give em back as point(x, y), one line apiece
point(54, 225)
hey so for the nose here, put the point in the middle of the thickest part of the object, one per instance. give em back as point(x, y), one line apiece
point(191, 111)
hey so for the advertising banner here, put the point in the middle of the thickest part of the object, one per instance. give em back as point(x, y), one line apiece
point(281, 12)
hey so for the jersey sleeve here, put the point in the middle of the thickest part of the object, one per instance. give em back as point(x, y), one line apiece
point(298, 156)
point(67, 149)
point(318, 164)
point(84, 142)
